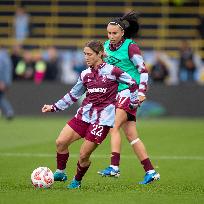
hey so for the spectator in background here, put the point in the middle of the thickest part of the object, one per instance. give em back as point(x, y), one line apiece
point(25, 67)
point(5, 82)
point(68, 75)
point(159, 71)
point(187, 66)
point(40, 68)
point(53, 65)
point(16, 56)
point(21, 24)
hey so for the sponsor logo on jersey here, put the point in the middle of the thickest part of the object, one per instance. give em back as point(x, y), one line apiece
point(97, 90)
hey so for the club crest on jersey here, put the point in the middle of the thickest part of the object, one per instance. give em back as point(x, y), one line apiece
point(112, 60)
point(104, 79)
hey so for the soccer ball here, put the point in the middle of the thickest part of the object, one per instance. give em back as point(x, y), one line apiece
point(42, 177)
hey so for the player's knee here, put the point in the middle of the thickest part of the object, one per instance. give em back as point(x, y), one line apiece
point(114, 131)
point(60, 143)
point(131, 137)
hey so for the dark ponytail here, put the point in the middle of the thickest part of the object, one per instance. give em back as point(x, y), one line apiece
point(129, 23)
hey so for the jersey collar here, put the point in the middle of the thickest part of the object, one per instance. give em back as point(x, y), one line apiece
point(114, 47)
point(99, 66)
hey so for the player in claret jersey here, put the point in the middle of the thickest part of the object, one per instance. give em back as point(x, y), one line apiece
point(96, 114)
point(124, 53)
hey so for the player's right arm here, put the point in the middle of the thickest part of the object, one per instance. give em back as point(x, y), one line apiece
point(67, 100)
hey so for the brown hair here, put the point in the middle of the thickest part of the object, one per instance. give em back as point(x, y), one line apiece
point(95, 45)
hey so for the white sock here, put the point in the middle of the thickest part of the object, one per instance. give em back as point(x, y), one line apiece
point(60, 171)
point(116, 168)
point(151, 171)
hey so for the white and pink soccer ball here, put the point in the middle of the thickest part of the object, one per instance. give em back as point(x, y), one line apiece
point(42, 177)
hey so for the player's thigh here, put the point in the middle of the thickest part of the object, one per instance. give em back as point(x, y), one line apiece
point(129, 128)
point(120, 117)
point(67, 135)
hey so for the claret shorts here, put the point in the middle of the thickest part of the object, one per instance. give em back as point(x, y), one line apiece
point(123, 101)
point(92, 132)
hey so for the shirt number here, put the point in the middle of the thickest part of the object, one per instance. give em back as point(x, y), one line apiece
point(122, 100)
point(97, 130)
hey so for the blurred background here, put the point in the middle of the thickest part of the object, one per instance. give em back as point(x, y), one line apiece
point(41, 52)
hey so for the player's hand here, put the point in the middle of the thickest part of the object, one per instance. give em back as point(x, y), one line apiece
point(46, 108)
point(134, 104)
point(141, 98)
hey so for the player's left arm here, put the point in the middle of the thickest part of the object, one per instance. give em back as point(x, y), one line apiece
point(138, 61)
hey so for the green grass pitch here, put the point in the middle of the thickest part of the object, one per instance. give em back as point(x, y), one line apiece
point(175, 146)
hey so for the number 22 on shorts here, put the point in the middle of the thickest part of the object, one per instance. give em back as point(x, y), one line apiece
point(97, 130)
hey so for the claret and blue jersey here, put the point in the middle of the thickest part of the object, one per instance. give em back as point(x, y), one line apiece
point(101, 87)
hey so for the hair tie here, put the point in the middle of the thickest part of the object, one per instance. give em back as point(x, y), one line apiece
point(115, 23)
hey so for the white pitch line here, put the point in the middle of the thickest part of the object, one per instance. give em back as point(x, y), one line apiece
point(201, 158)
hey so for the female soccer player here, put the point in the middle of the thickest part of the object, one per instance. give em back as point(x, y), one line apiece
point(124, 53)
point(96, 114)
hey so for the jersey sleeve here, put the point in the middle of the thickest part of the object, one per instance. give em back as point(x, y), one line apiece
point(76, 92)
point(125, 78)
point(137, 59)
